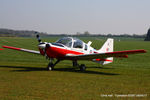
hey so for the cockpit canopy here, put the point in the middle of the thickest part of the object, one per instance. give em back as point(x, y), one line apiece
point(71, 42)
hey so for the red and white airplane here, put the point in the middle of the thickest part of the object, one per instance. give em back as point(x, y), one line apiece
point(69, 48)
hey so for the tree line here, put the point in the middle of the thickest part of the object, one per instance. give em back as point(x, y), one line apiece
point(27, 33)
point(18, 33)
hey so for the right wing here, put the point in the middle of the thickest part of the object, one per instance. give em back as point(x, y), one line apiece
point(105, 55)
point(21, 49)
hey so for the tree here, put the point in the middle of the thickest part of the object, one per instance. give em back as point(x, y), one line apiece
point(148, 35)
point(86, 33)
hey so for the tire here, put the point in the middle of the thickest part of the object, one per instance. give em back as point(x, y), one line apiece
point(50, 66)
point(82, 67)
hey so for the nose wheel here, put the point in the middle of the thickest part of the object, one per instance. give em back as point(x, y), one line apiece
point(51, 65)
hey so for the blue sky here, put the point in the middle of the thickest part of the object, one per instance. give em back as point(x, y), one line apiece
point(71, 16)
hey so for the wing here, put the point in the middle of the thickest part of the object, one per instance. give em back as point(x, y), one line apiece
point(105, 55)
point(21, 49)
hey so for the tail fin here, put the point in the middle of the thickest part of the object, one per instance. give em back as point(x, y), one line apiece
point(107, 47)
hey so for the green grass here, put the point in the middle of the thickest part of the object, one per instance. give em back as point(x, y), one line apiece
point(23, 75)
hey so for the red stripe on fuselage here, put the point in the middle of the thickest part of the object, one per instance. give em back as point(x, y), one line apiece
point(11, 47)
point(55, 52)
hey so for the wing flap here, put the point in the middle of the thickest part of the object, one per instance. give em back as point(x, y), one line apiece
point(21, 49)
point(105, 55)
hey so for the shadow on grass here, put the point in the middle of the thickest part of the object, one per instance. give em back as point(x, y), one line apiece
point(86, 72)
point(100, 67)
point(24, 68)
point(27, 69)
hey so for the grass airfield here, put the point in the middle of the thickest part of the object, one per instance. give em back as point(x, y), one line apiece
point(23, 76)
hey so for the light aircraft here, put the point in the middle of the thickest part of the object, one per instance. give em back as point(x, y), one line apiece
point(70, 48)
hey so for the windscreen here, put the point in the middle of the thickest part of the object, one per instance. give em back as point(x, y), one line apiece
point(65, 41)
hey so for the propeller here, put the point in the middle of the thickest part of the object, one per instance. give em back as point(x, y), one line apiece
point(38, 37)
point(47, 46)
point(45, 50)
point(42, 45)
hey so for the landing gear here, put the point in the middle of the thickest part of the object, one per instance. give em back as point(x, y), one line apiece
point(51, 65)
point(75, 64)
point(82, 66)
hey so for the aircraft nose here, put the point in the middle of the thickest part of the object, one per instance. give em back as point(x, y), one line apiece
point(47, 45)
point(42, 45)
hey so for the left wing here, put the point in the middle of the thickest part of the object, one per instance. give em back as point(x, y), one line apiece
point(21, 49)
point(105, 55)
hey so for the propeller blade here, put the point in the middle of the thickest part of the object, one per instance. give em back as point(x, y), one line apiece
point(38, 37)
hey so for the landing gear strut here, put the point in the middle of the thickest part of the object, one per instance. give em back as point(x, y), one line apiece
point(51, 65)
point(75, 64)
point(82, 66)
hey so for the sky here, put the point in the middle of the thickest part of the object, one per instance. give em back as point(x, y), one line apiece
point(72, 16)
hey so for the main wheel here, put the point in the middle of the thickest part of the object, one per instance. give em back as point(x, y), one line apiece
point(50, 66)
point(82, 67)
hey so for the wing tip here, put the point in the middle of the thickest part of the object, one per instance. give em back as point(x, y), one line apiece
point(142, 51)
point(1, 49)
point(9, 47)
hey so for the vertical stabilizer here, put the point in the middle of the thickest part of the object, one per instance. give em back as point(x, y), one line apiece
point(108, 46)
